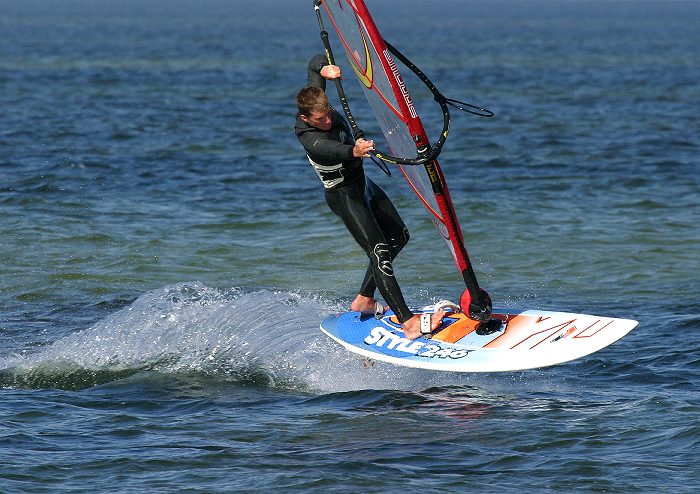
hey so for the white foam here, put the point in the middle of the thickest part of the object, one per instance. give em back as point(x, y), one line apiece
point(190, 327)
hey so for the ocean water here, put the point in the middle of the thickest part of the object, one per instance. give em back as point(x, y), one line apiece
point(166, 254)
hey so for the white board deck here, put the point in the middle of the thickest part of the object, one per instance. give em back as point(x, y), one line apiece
point(516, 341)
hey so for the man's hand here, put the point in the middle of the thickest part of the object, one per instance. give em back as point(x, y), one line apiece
point(362, 148)
point(331, 72)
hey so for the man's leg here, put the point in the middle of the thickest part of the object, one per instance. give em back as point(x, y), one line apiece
point(350, 205)
point(392, 226)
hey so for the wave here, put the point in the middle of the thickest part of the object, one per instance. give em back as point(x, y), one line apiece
point(264, 337)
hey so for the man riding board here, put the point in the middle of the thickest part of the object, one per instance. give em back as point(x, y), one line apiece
point(364, 208)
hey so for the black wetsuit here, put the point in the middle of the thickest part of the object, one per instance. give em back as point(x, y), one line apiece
point(365, 209)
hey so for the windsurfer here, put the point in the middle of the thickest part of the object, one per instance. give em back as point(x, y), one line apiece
point(364, 208)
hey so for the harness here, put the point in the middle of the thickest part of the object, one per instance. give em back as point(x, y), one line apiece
point(330, 175)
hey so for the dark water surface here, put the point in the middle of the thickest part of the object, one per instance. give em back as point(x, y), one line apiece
point(166, 254)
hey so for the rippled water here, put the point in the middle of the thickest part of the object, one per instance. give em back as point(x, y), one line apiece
point(166, 254)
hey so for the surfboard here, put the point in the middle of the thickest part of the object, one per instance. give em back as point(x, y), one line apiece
point(511, 341)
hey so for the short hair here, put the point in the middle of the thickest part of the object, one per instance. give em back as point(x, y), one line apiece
point(312, 99)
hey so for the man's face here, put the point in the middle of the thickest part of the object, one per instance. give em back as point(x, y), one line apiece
point(319, 119)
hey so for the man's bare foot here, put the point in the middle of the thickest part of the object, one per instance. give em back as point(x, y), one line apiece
point(366, 305)
point(411, 328)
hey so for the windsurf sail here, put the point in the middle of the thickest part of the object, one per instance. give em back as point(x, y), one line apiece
point(371, 59)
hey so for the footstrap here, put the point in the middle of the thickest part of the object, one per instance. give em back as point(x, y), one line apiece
point(378, 310)
point(446, 306)
point(425, 325)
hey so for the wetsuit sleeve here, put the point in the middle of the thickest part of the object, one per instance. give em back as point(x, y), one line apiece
point(314, 71)
point(323, 147)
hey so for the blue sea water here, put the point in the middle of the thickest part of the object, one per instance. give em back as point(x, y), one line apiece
point(166, 254)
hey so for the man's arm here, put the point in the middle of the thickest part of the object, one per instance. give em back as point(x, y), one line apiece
point(320, 144)
point(319, 71)
point(314, 77)
point(323, 148)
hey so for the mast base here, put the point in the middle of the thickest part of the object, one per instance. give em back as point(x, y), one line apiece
point(478, 310)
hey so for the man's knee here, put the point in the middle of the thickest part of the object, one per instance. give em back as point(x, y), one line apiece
point(399, 241)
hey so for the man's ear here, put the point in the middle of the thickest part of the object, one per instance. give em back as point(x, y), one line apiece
point(304, 118)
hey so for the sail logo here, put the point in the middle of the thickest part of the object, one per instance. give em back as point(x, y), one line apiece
point(402, 85)
point(365, 75)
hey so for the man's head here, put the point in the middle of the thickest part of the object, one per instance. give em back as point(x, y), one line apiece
point(314, 108)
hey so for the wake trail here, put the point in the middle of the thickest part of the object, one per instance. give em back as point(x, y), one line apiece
point(261, 337)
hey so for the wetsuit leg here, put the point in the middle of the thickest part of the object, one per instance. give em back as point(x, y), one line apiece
point(392, 226)
point(350, 203)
